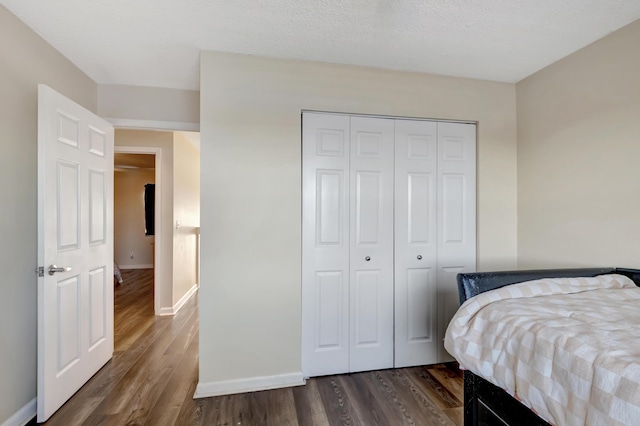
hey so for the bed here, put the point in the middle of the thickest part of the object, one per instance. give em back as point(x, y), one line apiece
point(516, 323)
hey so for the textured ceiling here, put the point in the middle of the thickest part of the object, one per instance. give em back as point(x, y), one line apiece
point(157, 42)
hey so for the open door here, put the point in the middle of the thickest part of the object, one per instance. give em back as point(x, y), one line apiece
point(75, 248)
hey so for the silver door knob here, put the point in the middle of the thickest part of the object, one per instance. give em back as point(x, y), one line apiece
point(419, 257)
point(367, 258)
point(53, 269)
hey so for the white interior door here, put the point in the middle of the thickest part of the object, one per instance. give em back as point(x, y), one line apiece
point(456, 217)
point(75, 222)
point(325, 244)
point(371, 255)
point(416, 320)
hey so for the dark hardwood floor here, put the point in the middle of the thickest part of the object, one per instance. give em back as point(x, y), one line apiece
point(154, 371)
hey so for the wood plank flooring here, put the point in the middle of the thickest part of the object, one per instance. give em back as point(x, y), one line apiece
point(154, 371)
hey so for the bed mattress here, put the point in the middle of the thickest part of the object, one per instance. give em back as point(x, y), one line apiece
point(568, 348)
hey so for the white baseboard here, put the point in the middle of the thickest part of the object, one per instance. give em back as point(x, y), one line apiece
point(22, 416)
point(251, 384)
point(164, 312)
point(149, 266)
point(180, 303)
point(184, 298)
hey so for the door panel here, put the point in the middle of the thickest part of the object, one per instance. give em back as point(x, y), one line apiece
point(330, 288)
point(97, 207)
point(421, 305)
point(75, 219)
point(368, 204)
point(453, 208)
point(371, 253)
point(420, 198)
point(325, 244)
point(456, 217)
point(98, 294)
point(448, 301)
point(68, 206)
point(366, 313)
point(98, 141)
point(329, 202)
point(415, 243)
point(68, 323)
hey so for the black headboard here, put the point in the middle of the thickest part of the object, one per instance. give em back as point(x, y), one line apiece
point(473, 283)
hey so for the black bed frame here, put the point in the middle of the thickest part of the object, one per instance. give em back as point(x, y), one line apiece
point(484, 403)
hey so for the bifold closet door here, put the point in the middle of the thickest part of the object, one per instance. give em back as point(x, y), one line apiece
point(435, 232)
point(456, 211)
point(347, 244)
point(325, 244)
point(371, 255)
point(416, 320)
point(357, 294)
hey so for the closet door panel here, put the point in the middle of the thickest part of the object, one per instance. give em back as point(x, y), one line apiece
point(367, 309)
point(421, 318)
point(456, 217)
point(329, 200)
point(369, 200)
point(420, 204)
point(371, 253)
point(325, 244)
point(415, 243)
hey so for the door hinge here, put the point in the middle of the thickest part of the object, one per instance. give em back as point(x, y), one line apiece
point(40, 271)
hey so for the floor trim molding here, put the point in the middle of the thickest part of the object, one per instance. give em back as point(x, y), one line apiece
point(23, 415)
point(251, 384)
point(180, 303)
point(149, 266)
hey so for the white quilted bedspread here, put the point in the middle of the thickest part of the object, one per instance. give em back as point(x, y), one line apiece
point(568, 348)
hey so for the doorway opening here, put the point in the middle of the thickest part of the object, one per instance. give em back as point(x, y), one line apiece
point(136, 242)
point(171, 162)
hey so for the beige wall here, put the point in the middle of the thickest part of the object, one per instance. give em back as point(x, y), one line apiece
point(163, 140)
point(26, 60)
point(129, 218)
point(186, 210)
point(578, 136)
point(250, 317)
point(149, 104)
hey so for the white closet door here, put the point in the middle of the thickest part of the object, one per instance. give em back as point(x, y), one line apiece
point(456, 217)
point(416, 321)
point(371, 257)
point(325, 244)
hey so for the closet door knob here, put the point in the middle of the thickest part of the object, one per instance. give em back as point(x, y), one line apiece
point(367, 258)
point(419, 257)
